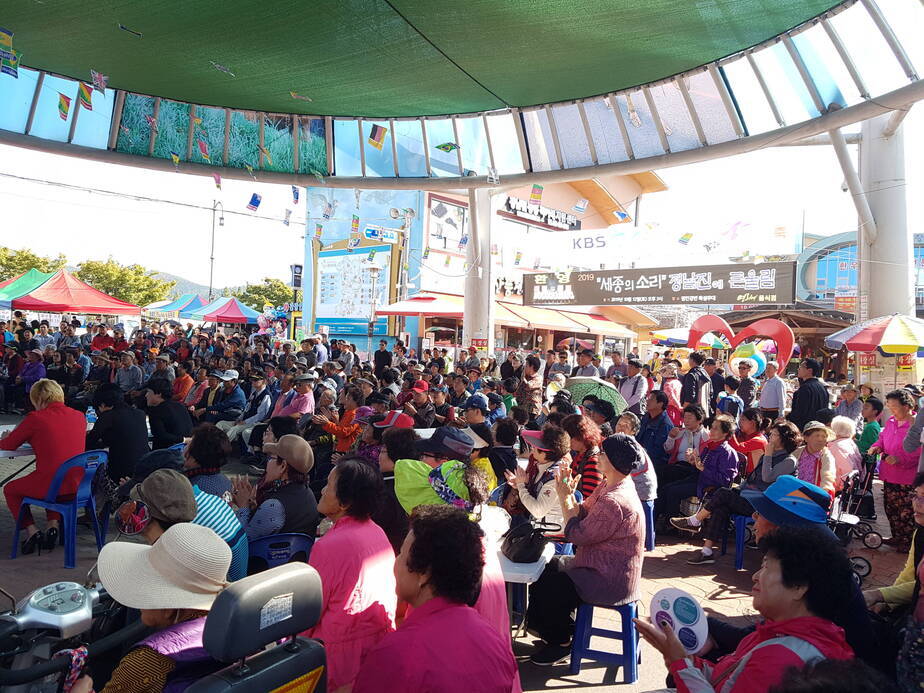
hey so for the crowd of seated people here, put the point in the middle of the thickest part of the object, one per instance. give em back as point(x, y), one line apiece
point(399, 470)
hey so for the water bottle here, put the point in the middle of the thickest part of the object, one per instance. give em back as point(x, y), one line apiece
point(91, 415)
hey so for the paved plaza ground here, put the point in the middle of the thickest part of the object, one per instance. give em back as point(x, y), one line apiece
point(721, 589)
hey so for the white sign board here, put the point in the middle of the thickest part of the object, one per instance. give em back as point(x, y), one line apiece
point(380, 233)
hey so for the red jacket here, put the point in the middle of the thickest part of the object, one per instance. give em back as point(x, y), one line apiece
point(56, 433)
point(762, 657)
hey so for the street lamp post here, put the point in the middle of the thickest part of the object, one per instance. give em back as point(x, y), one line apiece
point(373, 271)
point(221, 222)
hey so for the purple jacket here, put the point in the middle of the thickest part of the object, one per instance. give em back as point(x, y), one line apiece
point(182, 643)
point(720, 466)
point(32, 373)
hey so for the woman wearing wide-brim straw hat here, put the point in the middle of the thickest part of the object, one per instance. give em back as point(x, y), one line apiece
point(173, 583)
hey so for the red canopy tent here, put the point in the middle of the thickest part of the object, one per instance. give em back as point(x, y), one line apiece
point(65, 293)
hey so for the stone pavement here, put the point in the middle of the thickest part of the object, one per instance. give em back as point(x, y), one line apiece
point(721, 590)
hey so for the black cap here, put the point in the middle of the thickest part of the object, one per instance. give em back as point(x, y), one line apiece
point(623, 452)
point(257, 374)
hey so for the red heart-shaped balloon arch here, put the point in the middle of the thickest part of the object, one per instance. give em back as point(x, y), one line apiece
point(771, 328)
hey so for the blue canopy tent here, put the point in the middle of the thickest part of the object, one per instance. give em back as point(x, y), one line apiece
point(184, 306)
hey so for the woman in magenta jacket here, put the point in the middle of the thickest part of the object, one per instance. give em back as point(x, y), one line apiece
point(56, 433)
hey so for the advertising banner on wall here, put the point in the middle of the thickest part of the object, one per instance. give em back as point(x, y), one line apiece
point(764, 283)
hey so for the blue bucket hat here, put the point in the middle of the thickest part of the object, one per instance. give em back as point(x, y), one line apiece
point(791, 502)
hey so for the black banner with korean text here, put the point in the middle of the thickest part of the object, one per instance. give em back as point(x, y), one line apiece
point(763, 283)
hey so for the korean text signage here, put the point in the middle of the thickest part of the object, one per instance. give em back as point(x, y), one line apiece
point(766, 283)
point(544, 216)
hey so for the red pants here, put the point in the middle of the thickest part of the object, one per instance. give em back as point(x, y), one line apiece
point(30, 485)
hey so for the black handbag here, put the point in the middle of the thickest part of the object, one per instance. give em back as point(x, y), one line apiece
point(525, 542)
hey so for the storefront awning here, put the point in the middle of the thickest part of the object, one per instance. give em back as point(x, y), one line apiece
point(446, 306)
point(546, 318)
point(597, 324)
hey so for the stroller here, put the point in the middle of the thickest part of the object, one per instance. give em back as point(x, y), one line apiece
point(846, 525)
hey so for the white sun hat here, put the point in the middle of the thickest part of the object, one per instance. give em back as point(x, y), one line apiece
point(185, 569)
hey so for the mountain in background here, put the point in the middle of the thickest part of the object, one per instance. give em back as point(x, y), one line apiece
point(185, 286)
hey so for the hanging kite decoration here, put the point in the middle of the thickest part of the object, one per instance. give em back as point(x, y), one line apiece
point(463, 241)
point(6, 44)
point(221, 68)
point(447, 147)
point(217, 179)
point(448, 260)
point(318, 176)
point(204, 150)
point(371, 256)
point(265, 152)
point(250, 170)
point(85, 96)
point(536, 195)
point(685, 239)
point(581, 205)
point(99, 81)
point(318, 231)
point(426, 254)
point(352, 243)
point(10, 66)
point(354, 225)
point(299, 97)
point(255, 200)
point(176, 160)
point(137, 34)
point(493, 178)
point(328, 210)
point(64, 105)
point(152, 122)
point(286, 220)
point(377, 136)
point(517, 257)
point(294, 195)
point(622, 216)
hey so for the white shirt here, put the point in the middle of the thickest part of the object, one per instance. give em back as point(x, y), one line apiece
point(773, 394)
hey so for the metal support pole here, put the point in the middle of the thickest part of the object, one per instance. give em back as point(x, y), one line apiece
point(895, 121)
point(215, 205)
point(478, 315)
point(853, 185)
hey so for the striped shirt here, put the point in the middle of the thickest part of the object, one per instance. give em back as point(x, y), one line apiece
point(213, 512)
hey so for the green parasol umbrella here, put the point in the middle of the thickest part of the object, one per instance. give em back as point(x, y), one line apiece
point(581, 386)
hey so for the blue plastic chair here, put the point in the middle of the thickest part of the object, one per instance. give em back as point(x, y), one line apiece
point(648, 507)
point(741, 523)
point(630, 655)
point(277, 549)
point(92, 463)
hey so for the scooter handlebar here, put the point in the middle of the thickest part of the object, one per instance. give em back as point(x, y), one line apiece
point(11, 677)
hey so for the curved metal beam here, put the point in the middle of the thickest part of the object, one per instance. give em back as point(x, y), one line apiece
point(894, 100)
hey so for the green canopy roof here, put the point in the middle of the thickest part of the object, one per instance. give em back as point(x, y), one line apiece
point(389, 58)
point(24, 284)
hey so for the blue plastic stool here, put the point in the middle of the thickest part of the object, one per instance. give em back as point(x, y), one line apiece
point(648, 507)
point(741, 523)
point(277, 549)
point(630, 656)
point(92, 463)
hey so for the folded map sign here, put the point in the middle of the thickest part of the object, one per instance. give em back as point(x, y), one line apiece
point(763, 283)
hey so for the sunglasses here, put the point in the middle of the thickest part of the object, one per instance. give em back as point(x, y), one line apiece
point(132, 517)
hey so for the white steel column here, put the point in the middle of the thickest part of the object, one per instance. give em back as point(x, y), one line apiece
point(478, 319)
point(891, 258)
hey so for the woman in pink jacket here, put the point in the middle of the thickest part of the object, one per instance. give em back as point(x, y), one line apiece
point(802, 585)
point(897, 469)
point(356, 565)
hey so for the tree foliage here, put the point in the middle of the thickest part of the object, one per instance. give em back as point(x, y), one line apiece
point(132, 283)
point(274, 292)
point(15, 262)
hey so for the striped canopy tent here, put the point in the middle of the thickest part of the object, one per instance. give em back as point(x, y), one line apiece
point(184, 306)
point(62, 292)
point(21, 285)
point(226, 309)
